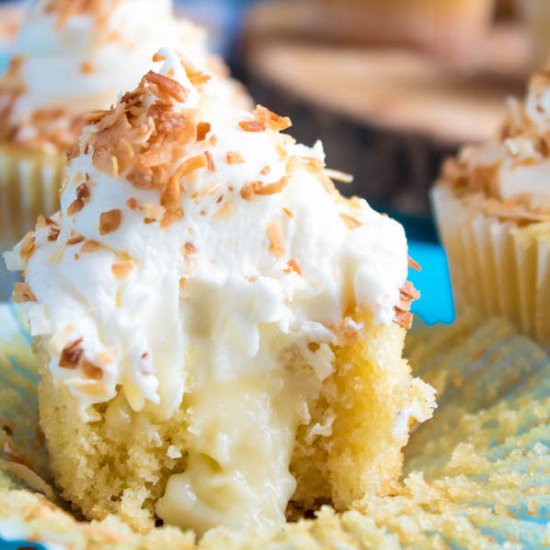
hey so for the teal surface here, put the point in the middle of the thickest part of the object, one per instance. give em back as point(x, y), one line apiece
point(433, 282)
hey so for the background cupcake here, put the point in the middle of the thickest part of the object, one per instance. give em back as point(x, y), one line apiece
point(492, 205)
point(70, 58)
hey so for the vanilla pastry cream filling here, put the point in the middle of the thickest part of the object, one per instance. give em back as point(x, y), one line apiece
point(211, 300)
point(83, 61)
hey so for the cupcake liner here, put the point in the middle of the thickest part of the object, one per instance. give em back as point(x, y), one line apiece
point(29, 185)
point(486, 369)
point(477, 475)
point(497, 268)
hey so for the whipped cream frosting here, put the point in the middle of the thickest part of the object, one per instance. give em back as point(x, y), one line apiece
point(515, 166)
point(205, 293)
point(82, 62)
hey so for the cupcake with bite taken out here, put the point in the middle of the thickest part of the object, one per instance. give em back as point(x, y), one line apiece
point(71, 57)
point(220, 331)
point(492, 204)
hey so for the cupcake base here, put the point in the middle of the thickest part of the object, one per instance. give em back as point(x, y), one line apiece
point(363, 405)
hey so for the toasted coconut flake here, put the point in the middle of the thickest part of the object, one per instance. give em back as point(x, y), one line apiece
point(313, 164)
point(89, 370)
point(73, 151)
point(414, 264)
point(83, 192)
point(210, 164)
point(271, 188)
point(276, 240)
point(351, 222)
point(293, 266)
point(171, 218)
point(76, 206)
point(71, 355)
point(252, 126)
point(234, 157)
point(122, 269)
point(404, 319)
point(90, 246)
point(124, 155)
point(195, 75)
point(170, 199)
point(94, 117)
point(191, 165)
point(288, 212)
point(109, 221)
point(189, 248)
point(158, 58)
point(141, 177)
point(22, 293)
point(336, 175)
point(270, 119)
point(408, 294)
point(87, 68)
point(224, 212)
point(132, 204)
point(247, 192)
point(106, 162)
point(28, 246)
point(203, 128)
point(76, 239)
point(53, 234)
point(167, 86)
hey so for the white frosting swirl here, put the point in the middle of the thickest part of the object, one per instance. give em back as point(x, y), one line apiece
point(209, 307)
point(87, 61)
point(521, 152)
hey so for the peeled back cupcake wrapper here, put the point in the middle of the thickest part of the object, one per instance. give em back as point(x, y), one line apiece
point(29, 185)
point(477, 477)
point(497, 268)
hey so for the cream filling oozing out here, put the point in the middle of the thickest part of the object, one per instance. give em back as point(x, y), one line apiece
point(242, 418)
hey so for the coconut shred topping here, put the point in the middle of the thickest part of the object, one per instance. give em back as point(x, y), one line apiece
point(73, 56)
point(196, 246)
point(509, 177)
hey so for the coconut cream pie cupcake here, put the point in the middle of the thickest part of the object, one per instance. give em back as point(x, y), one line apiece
point(71, 57)
point(221, 331)
point(493, 209)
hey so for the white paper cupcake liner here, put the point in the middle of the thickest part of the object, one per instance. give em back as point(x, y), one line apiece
point(29, 186)
point(497, 268)
point(478, 474)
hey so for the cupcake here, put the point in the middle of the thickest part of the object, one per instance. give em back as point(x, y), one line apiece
point(70, 58)
point(492, 205)
point(220, 331)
